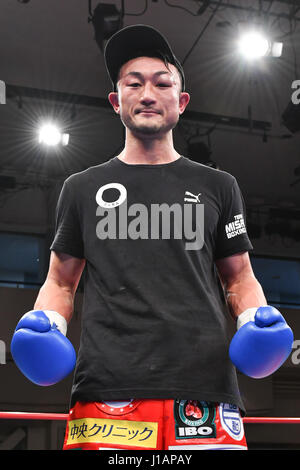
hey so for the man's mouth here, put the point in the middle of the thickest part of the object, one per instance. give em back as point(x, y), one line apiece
point(146, 111)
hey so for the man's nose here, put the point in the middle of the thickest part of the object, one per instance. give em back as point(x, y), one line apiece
point(148, 94)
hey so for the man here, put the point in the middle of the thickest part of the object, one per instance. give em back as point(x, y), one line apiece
point(164, 246)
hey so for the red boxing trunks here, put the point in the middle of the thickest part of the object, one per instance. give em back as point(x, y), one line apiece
point(155, 425)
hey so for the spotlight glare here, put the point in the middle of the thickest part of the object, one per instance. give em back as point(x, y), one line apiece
point(253, 45)
point(50, 135)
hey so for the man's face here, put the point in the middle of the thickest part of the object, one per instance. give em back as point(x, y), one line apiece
point(149, 100)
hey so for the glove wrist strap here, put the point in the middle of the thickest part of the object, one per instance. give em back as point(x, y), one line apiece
point(58, 319)
point(245, 317)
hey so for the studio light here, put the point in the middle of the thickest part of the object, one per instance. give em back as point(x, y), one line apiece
point(106, 20)
point(50, 135)
point(254, 43)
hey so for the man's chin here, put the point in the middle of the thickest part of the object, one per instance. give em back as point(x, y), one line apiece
point(146, 130)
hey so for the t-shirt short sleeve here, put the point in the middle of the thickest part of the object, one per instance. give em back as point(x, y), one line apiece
point(232, 234)
point(68, 234)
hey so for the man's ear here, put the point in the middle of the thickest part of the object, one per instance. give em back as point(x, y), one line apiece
point(184, 100)
point(114, 101)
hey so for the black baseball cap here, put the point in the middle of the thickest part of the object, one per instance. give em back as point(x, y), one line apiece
point(126, 43)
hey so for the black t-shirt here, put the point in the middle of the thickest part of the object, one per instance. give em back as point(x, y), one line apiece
point(154, 319)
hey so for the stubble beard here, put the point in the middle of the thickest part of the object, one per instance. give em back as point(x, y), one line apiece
point(147, 129)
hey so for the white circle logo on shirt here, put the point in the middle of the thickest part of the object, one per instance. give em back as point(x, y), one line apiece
point(107, 205)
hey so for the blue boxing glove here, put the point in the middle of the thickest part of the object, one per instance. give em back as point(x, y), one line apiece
point(40, 348)
point(262, 343)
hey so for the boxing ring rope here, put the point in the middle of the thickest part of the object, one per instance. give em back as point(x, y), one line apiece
point(64, 417)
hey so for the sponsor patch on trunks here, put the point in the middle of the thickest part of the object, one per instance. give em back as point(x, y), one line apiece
point(194, 419)
point(231, 421)
point(112, 431)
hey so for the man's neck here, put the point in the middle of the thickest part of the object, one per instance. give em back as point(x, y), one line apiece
point(146, 160)
point(148, 152)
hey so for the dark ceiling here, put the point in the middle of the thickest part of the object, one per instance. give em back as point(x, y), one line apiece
point(52, 64)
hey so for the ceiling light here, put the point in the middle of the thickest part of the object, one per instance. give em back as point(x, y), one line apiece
point(106, 20)
point(253, 45)
point(50, 135)
point(255, 42)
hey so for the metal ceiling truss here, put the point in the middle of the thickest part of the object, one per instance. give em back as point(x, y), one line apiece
point(261, 7)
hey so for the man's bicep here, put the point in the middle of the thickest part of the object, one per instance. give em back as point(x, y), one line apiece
point(233, 268)
point(65, 270)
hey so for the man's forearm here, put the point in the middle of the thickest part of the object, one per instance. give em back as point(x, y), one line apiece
point(244, 294)
point(55, 297)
